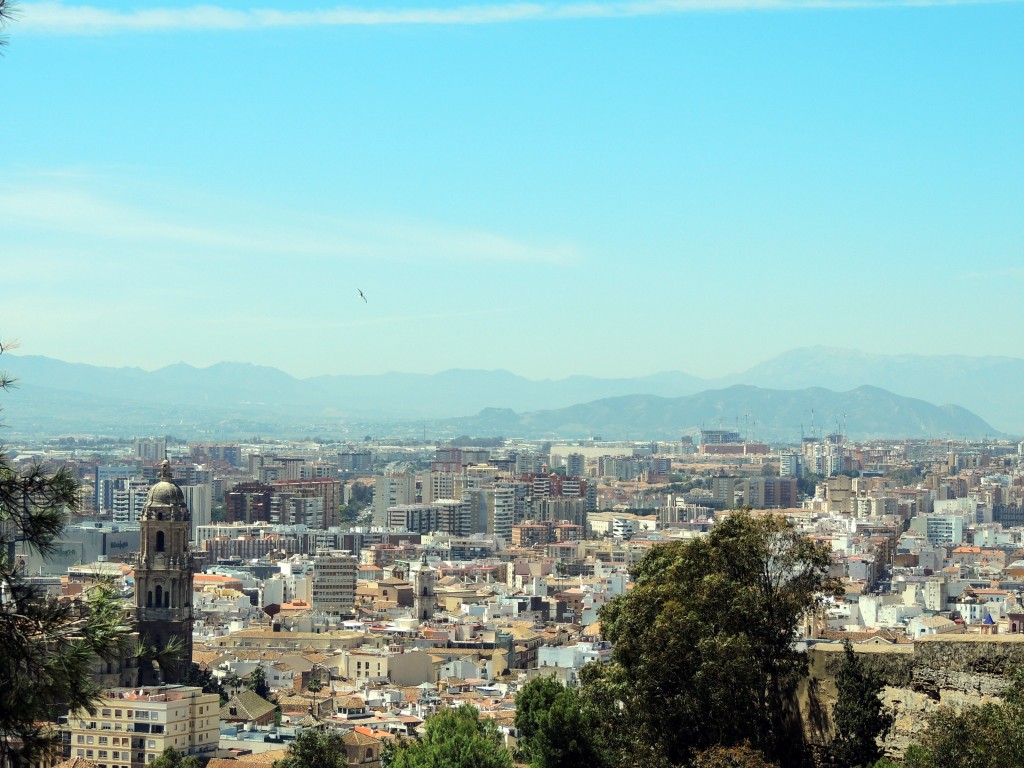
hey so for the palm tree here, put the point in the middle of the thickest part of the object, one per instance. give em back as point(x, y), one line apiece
point(233, 683)
point(314, 686)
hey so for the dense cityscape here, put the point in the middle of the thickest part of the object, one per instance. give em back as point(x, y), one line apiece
point(359, 589)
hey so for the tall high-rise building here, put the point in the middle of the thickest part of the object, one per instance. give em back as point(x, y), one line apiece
point(163, 581)
point(392, 491)
point(248, 503)
point(105, 481)
point(151, 450)
point(299, 508)
point(199, 499)
point(334, 583)
point(127, 499)
point(575, 465)
point(328, 489)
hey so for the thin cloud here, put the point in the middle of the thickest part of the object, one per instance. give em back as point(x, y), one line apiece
point(61, 19)
point(1009, 272)
point(112, 225)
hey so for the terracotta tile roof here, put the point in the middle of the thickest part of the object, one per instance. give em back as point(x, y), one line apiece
point(356, 738)
point(247, 706)
point(206, 658)
point(76, 762)
point(262, 758)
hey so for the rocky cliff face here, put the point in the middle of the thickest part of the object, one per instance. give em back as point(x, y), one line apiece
point(950, 670)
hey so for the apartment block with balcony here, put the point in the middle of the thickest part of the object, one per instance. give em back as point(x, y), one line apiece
point(131, 727)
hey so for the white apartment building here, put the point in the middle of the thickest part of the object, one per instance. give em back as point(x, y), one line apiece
point(127, 499)
point(199, 500)
point(297, 509)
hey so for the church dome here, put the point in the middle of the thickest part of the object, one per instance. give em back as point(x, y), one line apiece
point(165, 500)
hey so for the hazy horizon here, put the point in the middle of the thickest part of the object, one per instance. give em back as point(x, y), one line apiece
point(14, 352)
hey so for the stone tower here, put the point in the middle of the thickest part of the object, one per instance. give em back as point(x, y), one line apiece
point(423, 579)
point(163, 581)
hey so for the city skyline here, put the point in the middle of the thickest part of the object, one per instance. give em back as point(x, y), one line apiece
point(550, 189)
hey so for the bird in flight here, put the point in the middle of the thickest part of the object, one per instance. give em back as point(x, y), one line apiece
point(361, 295)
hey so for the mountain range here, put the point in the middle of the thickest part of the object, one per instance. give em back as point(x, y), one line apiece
point(808, 389)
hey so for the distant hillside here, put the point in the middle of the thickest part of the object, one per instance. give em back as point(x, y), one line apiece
point(765, 414)
point(989, 386)
point(231, 400)
point(242, 386)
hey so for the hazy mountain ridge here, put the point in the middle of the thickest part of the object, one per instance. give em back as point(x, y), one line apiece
point(771, 415)
point(55, 396)
point(988, 386)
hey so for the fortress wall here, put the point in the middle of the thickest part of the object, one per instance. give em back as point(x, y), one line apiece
point(953, 670)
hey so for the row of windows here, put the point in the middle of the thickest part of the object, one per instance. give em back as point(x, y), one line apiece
point(88, 753)
point(125, 742)
point(139, 714)
point(115, 741)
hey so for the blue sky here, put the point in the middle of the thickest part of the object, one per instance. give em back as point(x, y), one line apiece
point(598, 188)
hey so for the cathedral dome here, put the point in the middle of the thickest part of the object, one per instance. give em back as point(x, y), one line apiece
point(165, 500)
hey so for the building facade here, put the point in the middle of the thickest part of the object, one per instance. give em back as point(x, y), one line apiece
point(131, 727)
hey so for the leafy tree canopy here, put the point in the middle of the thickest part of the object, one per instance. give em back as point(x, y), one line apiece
point(557, 728)
point(315, 748)
point(743, 756)
point(704, 643)
point(172, 758)
point(533, 702)
point(453, 738)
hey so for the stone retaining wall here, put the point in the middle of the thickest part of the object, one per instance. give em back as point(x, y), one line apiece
point(953, 670)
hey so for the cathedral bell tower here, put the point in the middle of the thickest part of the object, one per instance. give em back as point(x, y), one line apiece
point(163, 582)
point(424, 580)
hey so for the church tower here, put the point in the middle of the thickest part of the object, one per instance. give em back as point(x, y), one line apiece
point(424, 579)
point(163, 581)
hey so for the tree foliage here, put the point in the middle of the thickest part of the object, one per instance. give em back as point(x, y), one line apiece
point(859, 715)
point(315, 748)
point(203, 678)
point(453, 738)
point(172, 758)
point(704, 644)
point(743, 756)
point(256, 681)
point(557, 728)
point(533, 702)
point(358, 505)
point(5, 15)
point(50, 644)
